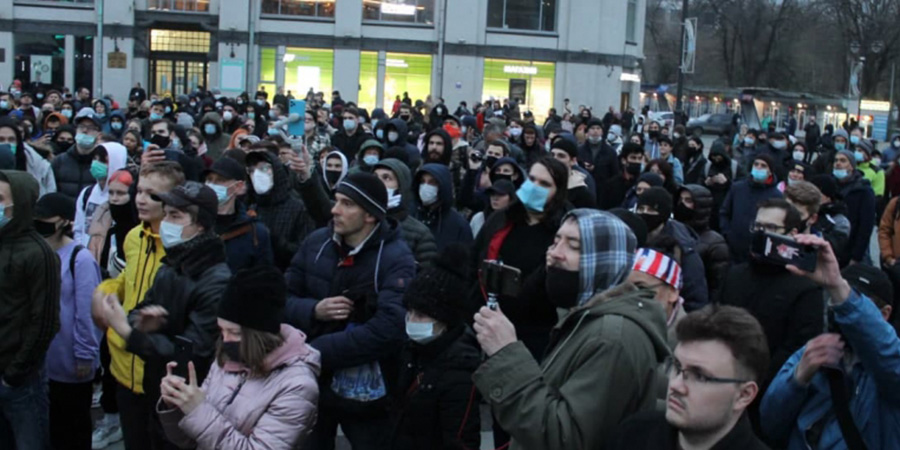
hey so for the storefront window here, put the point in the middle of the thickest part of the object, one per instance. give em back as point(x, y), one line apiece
point(531, 83)
point(84, 62)
point(40, 59)
point(266, 71)
point(537, 15)
point(308, 68)
point(368, 80)
point(407, 74)
point(179, 5)
point(413, 11)
point(312, 8)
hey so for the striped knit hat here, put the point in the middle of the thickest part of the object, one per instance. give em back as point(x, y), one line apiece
point(658, 265)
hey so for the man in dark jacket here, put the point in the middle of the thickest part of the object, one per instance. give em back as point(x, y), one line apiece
point(860, 200)
point(397, 179)
point(654, 206)
point(789, 308)
point(724, 343)
point(247, 241)
point(214, 135)
point(184, 297)
point(395, 135)
point(433, 194)
point(579, 194)
point(812, 137)
point(346, 285)
point(351, 135)
point(597, 156)
point(72, 169)
point(277, 206)
point(630, 160)
point(29, 304)
point(739, 207)
point(720, 174)
point(693, 208)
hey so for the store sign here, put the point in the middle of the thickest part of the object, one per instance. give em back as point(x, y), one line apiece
point(116, 60)
point(871, 105)
point(390, 62)
point(521, 70)
point(41, 68)
point(398, 9)
point(633, 77)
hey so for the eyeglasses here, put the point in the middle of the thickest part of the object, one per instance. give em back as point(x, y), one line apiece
point(692, 376)
point(770, 227)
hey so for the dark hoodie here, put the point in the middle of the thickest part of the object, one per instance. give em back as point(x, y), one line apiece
point(30, 310)
point(710, 245)
point(447, 155)
point(732, 172)
point(399, 125)
point(860, 200)
point(446, 224)
point(247, 242)
point(739, 211)
point(282, 213)
point(417, 236)
point(535, 150)
point(217, 143)
point(117, 133)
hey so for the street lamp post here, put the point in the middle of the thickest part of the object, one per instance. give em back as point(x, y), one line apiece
point(679, 105)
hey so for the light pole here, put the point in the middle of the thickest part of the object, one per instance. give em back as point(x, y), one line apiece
point(679, 105)
point(875, 48)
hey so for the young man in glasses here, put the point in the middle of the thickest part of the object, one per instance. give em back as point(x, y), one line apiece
point(788, 307)
point(714, 375)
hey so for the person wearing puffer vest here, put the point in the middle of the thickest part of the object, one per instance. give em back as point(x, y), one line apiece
point(250, 400)
point(393, 172)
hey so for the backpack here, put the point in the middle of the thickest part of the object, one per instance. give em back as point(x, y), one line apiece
point(86, 196)
point(78, 249)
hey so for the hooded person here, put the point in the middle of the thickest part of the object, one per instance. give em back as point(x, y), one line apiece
point(857, 193)
point(720, 172)
point(370, 152)
point(397, 179)
point(693, 208)
point(30, 283)
point(433, 195)
point(333, 175)
point(117, 123)
point(739, 207)
point(439, 149)
point(94, 198)
point(832, 143)
point(27, 158)
point(214, 135)
point(72, 169)
point(276, 207)
point(865, 163)
point(103, 111)
point(645, 181)
point(571, 399)
point(396, 133)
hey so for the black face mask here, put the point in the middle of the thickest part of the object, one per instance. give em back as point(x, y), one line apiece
point(332, 176)
point(490, 161)
point(653, 221)
point(160, 141)
point(45, 229)
point(404, 117)
point(633, 169)
point(654, 135)
point(683, 213)
point(123, 214)
point(562, 287)
point(232, 350)
point(495, 177)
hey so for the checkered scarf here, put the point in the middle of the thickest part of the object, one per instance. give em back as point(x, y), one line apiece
point(607, 251)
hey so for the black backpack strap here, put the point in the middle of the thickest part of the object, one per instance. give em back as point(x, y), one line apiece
point(78, 248)
point(87, 195)
point(841, 403)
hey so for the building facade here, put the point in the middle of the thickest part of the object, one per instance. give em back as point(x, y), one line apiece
point(540, 51)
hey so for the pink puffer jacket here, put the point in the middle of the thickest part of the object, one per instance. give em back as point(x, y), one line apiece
point(241, 413)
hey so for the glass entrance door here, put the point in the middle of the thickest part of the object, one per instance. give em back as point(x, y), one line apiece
point(174, 77)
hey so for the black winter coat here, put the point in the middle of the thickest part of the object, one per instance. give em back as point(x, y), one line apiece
point(247, 242)
point(438, 407)
point(695, 290)
point(189, 285)
point(711, 245)
point(859, 197)
point(603, 167)
point(649, 430)
point(72, 171)
point(349, 144)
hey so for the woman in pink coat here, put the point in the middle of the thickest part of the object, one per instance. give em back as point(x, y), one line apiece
point(262, 393)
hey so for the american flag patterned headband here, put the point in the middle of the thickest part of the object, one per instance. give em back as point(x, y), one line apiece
point(658, 265)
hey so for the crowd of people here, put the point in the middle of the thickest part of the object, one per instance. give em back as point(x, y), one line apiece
point(210, 280)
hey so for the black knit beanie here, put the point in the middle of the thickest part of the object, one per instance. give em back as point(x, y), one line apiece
point(367, 191)
point(254, 298)
point(657, 198)
point(435, 291)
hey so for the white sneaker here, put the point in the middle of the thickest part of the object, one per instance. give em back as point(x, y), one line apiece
point(105, 434)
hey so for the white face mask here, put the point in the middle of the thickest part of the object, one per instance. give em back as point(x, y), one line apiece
point(170, 234)
point(515, 132)
point(393, 136)
point(262, 182)
point(227, 116)
point(421, 333)
point(428, 194)
point(394, 198)
point(798, 156)
point(676, 135)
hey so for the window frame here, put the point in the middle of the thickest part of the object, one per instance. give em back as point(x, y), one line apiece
point(384, 22)
point(282, 15)
point(539, 30)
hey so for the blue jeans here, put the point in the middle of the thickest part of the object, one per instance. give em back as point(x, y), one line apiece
point(25, 415)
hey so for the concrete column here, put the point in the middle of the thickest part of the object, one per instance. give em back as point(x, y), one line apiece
point(346, 73)
point(7, 67)
point(379, 82)
point(118, 82)
point(69, 63)
point(279, 67)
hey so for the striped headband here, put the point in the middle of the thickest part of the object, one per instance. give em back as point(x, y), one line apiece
point(658, 265)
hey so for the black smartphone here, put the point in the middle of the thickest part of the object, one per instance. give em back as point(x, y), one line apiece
point(500, 279)
point(184, 353)
point(782, 250)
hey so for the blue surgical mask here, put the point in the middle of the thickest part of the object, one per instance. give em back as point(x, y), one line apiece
point(67, 113)
point(859, 156)
point(116, 125)
point(349, 124)
point(839, 146)
point(209, 129)
point(854, 140)
point(840, 174)
point(221, 192)
point(4, 219)
point(85, 140)
point(251, 115)
point(4, 104)
point(370, 160)
point(759, 174)
point(534, 197)
point(155, 116)
point(168, 109)
point(749, 140)
point(273, 132)
point(421, 333)
point(99, 170)
point(379, 134)
point(12, 147)
point(170, 234)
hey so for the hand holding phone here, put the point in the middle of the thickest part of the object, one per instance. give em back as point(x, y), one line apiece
point(783, 250)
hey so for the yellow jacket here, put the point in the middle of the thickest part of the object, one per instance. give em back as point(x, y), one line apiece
point(143, 254)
